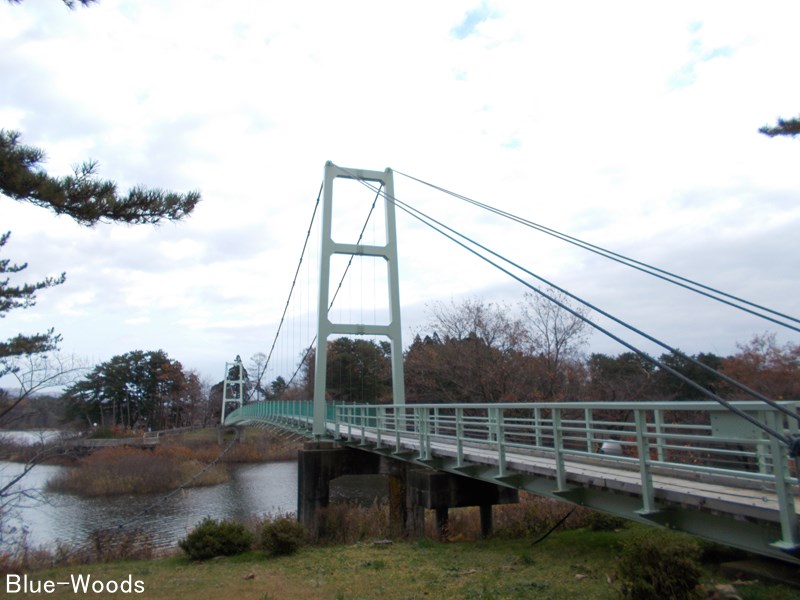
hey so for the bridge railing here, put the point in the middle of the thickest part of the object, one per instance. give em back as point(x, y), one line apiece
point(701, 437)
point(293, 414)
point(687, 439)
point(693, 436)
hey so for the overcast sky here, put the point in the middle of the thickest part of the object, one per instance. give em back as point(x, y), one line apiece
point(631, 125)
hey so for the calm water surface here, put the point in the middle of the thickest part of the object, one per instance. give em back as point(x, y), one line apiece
point(253, 490)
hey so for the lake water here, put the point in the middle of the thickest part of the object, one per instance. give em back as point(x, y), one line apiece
point(253, 490)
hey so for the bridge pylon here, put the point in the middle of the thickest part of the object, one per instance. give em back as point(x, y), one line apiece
point(388, 251)
point(232, 386)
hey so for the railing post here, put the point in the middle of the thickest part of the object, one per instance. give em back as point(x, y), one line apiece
point(422, 430)
point(587, 419)
point(783, 488)
point(350, 416)
point(648, 495)
point(427, 433)
point(398, 419)
point(335, 421)
point(658, 419)
point(537, 420)
point(501, 442)
point(491, 425)
point(459, 437)
point(558, 440)
point(380, 417)
point(364, 411)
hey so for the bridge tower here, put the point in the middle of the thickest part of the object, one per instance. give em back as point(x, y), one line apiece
point(329, 247)
point(232, 386)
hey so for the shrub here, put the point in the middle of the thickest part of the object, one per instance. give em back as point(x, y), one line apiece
point(213, 538)
point(600, 521)
point(282, 537)
point(659, 565)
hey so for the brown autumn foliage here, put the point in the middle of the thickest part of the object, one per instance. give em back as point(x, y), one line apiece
point(765, 366)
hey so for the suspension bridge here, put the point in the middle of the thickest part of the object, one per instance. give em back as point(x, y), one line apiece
point(722, 469)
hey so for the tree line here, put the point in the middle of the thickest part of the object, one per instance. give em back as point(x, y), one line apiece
point(476, 351)
point(472, 351)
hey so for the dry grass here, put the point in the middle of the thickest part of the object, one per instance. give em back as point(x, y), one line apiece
point(256, 445)
point(348, 524)
point(532, 516)
point(104, 546)
point(125, 470)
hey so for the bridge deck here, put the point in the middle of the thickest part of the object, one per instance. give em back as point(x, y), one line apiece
point(705, 491)
point(706, 471)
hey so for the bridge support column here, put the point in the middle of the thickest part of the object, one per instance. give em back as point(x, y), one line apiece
point(406, 518)
point(411, 489)
point(318, 464)
point(441, 491)
point(487, 523)
point(442, 522)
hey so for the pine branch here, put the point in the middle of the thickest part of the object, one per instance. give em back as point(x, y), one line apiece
point(22, 296)
point(788, 127)
point(68, 3)
point(83, 196)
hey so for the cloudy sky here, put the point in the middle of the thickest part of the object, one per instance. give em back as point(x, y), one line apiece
point(631, 125)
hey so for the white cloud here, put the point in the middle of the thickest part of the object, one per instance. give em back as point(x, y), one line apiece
point(630, 125)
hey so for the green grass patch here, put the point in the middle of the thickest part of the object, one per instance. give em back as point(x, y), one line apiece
point(568, 565)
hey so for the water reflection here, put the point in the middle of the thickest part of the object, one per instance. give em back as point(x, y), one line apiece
point(252, 490)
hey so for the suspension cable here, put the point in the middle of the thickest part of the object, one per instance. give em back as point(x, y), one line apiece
point(291, 291)
point(439, 228)
point(672, 350)
point(627, 261)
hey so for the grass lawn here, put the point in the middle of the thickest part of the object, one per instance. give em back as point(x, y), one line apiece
point(571, 565)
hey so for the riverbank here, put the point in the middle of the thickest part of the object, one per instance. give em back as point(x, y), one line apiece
point(567, 565)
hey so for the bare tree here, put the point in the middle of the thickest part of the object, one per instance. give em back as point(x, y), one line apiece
point(554, 334)
point(470, 355)
point(34, 373)
point(491, 323)
point(258, 365)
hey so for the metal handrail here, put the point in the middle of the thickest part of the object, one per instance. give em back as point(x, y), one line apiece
point(701, 439)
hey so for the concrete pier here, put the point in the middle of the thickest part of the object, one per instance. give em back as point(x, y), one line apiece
point(412, 488)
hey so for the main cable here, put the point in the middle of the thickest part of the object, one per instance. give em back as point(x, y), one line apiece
point(678, 280)
point(672, 350)
point(435, 225)
point(291, 291)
